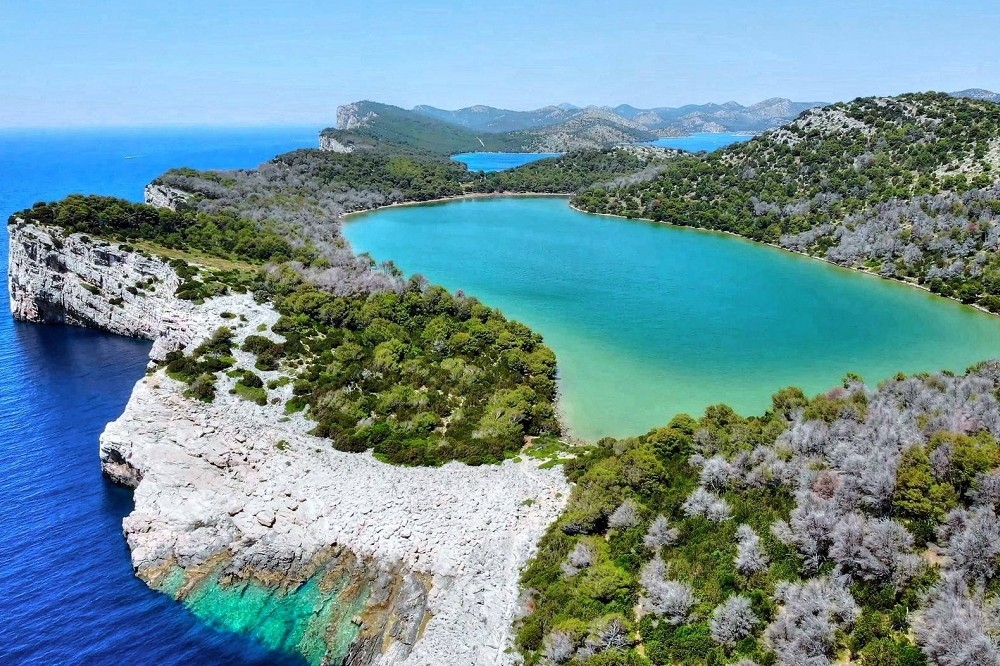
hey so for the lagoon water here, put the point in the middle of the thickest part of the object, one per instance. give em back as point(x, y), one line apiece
point(67, 593)
point(649, 320)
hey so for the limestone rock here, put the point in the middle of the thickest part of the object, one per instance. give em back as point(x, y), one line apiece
point(441, 549)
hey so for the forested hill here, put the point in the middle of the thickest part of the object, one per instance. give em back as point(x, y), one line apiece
point(859, 527)
point(906, 187)
point(412, 131)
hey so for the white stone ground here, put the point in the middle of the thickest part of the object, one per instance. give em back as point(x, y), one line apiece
point(237, 478)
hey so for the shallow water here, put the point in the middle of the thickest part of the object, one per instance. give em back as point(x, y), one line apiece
point(649, 320)
point(67, 592)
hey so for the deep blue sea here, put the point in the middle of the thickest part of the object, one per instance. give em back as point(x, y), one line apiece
point(499, 161)
point(67, 593)
point(707, 141)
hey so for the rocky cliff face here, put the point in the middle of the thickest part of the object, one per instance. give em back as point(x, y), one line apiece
point(352, 116)
point(163, 196)
point(329, 143)
point(83, 281)
point(258, 526)
point(227, 492)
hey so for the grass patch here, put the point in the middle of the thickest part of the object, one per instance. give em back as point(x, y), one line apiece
point(195, 257)
point(251, 393)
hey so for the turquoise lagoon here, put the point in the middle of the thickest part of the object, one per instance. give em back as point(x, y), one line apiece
point(649, 320)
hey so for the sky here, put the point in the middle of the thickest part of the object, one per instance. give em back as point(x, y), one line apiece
point(252, 62)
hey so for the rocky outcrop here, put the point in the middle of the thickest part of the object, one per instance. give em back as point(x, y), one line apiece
point(237, 506)
point(330, 143)
point(441, 549)
point(164, 196)
point(353, 116)
point(83, 281)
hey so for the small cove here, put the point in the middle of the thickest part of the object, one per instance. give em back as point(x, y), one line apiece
point(649, 320)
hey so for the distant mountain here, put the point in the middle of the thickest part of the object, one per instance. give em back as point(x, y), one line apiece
point(408, 129)
point(592, 127)
point(728, 117)
point(489, 119)
point(977, 93)
point(431, 130)
point(662, 121)
point(555, 128)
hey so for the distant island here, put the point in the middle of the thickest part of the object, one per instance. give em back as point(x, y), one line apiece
point(560, 128)
point(381, 460)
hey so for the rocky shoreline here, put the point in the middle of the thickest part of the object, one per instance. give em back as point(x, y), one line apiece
point(232, 496)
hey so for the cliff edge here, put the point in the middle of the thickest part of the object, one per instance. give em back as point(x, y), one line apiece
point(260, 527)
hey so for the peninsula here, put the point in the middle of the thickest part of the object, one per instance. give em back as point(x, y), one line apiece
point(376, 464)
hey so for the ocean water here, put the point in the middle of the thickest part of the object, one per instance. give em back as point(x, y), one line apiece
point(649, 320)
point(707, 141)
point(67, 592)
point(499, 161)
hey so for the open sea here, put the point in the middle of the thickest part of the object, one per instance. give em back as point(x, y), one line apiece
point(67, 592)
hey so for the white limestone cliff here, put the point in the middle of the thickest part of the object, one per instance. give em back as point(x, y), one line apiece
point(74, 279)
point(244, 489)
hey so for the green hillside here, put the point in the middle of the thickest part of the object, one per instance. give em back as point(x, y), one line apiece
point(415, 131)
point(904, 187)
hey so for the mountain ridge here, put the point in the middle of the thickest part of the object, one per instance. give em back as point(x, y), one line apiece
point(554, 128)
point(730, 116)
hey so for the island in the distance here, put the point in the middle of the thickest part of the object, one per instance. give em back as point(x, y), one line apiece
point(366, 469)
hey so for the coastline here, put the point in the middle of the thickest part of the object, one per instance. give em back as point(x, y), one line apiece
point(236, 504)
point(499, 195)
point(457, 197)
point(852, 269)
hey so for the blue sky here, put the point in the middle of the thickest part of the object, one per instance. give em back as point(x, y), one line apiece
point(104, 62)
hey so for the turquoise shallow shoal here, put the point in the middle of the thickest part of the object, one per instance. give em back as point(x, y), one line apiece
point(649, 320)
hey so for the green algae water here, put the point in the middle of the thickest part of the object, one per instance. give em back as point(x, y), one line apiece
point(649, 320)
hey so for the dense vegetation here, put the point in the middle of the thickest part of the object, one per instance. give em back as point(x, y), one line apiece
point(221, 234)
point(861, 523)
point(578, 170)
point(901, 186)
point(415, 131)
point(418, 375)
